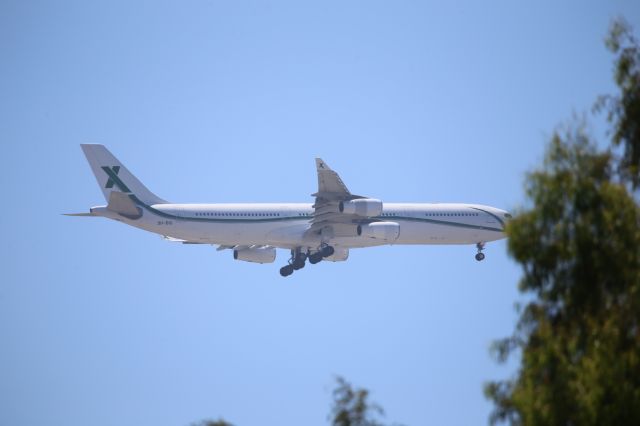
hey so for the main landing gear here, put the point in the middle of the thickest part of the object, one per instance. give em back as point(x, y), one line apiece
point(324, 251)
point(480, 254)
point(296, 262)
point(298, 259)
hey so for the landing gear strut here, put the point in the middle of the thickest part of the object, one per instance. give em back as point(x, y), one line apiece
point(296, 262)
point(480, 254)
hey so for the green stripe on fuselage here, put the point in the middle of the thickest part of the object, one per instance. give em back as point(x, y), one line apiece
point(279, 219)
point(491, 214)
point(444, 222)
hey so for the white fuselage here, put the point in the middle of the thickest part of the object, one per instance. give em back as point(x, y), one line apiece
point(286, 225)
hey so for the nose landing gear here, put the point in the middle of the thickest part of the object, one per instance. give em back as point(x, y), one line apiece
point(480, 254)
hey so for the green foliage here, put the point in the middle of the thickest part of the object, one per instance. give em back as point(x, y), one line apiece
point(624, 109)
point(351, 406)
point(579, 246)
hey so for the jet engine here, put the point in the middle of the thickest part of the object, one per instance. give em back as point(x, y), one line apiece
point(339, 255)
point(367, 207)
point(256, 255)
point(386, 231)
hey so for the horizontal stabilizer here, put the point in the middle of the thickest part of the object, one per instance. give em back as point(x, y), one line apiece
point(178, 240)
point(79, 214)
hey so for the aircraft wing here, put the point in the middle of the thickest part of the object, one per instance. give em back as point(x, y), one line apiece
point(331, 191)
point(242, 247)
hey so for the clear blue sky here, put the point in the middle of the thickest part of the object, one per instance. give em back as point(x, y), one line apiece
point(209, 101)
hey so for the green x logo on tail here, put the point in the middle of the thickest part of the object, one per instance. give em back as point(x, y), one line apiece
point(112, 172)
point(115, 170)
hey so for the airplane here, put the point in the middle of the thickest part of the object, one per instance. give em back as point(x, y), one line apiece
point(321, 231)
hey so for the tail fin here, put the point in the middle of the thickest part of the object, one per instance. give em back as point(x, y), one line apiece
point(113, 176)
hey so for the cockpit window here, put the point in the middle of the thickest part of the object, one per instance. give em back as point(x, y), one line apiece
point(508, 216)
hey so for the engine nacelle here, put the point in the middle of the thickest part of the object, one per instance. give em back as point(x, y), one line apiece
point(256, 255)
point(386, 231)
point(339, 255)
point(367, 207)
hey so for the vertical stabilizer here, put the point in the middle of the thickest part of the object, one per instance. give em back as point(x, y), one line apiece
point(113, 176)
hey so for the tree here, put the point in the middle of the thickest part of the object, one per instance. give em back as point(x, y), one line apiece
point(579, 247)
point(351, 406)
point(624, 109)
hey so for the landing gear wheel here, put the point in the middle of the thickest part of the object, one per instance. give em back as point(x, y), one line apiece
point(327, 251)
point(287, 270)
point(480, 255)
point(298, 264)
point(315, 258)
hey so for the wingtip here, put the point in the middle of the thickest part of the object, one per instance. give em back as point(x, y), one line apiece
point(321, 164)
